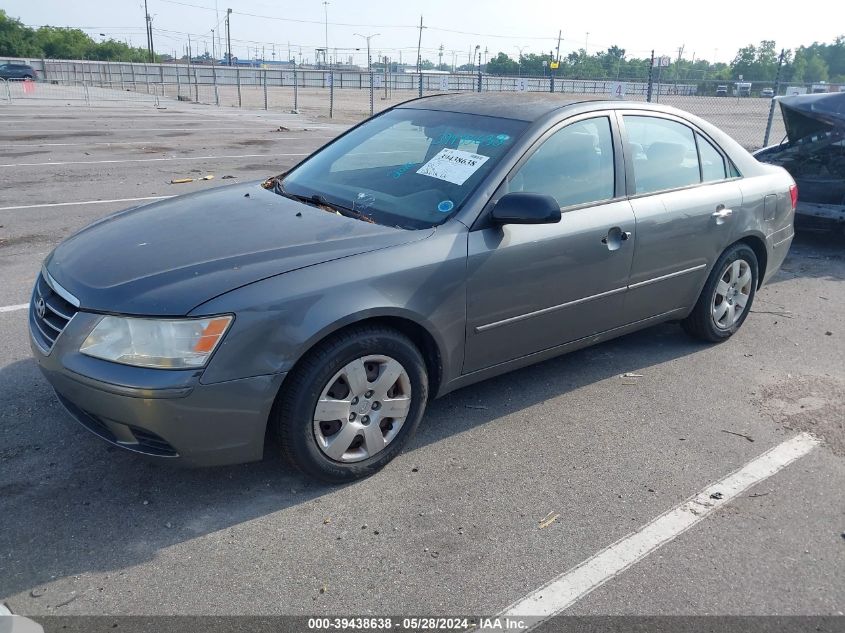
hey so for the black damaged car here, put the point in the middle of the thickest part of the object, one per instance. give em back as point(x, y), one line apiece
point(813, 152)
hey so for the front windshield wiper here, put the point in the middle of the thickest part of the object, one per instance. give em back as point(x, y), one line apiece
point(319, 201)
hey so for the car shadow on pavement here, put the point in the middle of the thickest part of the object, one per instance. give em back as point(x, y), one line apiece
point(71, 504)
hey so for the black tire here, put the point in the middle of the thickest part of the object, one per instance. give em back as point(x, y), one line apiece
point(701, 322)
point(294, 417)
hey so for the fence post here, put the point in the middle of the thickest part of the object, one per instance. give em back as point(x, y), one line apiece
point(214, 79)
point(238, 81)
point(372, 93)
point(772, 105)
point(132, 66)
point(196, 87)
point(87, 96)
point(147, 78)
point(265, 88)
point(331, 93)
point(295, 90)
point(178, 84)
point(650, 78)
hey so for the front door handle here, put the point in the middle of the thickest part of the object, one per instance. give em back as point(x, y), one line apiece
point(721, 214)
point(614, 238)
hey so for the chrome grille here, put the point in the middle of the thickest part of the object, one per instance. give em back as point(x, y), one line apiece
point(49, 313)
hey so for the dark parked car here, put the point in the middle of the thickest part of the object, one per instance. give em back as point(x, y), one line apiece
point(814, 153)
point(17, 71)
point(444, 241)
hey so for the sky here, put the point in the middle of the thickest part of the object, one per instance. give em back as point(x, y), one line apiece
point(494, 25)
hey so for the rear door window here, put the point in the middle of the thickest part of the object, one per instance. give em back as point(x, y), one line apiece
point(664, 153)
point(712, 162)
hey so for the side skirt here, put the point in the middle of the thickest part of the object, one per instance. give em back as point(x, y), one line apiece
point(558, 350)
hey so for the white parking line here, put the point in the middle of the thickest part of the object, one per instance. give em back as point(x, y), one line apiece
point(81, 203)
point(562, 592)
point(150, 142)
point(148, 160)
point(199, 128)
point(14, 308)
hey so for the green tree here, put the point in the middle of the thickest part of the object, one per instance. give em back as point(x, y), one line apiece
point(18, 40)
point(501, 64)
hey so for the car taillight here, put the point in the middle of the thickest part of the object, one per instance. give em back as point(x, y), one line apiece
point(793, 193)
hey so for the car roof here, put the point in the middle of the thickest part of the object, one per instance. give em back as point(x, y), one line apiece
point(523, 106)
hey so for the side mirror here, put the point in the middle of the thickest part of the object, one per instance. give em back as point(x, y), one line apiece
point(526, 208)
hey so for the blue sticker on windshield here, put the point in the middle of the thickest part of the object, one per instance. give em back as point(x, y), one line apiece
point(454, 139)
point(445, 206)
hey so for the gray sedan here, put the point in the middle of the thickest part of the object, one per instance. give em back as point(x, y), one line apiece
point(441, 242)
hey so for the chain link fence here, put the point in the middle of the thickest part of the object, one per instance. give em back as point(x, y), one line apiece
point(740, 109)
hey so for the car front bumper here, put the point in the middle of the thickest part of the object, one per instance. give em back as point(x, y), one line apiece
point(162, 413)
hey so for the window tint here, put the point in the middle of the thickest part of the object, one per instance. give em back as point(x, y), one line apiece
point(712, 163)
point(400, 144)
point(574, 165)
point(663, 152)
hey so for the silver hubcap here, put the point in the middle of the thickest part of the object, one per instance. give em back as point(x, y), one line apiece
point(732, 293)
point(362, 408)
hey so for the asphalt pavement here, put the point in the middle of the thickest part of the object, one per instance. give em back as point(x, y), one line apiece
point(509, 485)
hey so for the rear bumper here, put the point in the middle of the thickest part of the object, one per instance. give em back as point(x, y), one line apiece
point(778, 247)
point(166, 414)
point(835, 212)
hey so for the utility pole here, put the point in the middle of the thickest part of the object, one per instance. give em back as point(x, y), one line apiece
point(326, 12)
point(213, 49)
point(150, 44)
point(419, 47)
point(228, 37)
point(147, 30)
point(557, 50)
point(440, 57)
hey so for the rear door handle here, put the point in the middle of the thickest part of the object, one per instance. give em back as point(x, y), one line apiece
point(722, 214)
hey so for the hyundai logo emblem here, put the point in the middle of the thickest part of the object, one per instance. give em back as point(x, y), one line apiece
point(40, 307)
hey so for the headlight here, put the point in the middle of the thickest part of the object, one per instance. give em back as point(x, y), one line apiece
point(159, 343)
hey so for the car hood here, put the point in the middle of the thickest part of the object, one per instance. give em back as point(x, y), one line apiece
point(168, 257)
point(806, 115)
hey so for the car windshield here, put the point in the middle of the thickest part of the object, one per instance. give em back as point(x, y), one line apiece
point(408, 168)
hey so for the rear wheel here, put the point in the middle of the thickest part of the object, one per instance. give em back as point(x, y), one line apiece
point(352, 403)
point(727, 296)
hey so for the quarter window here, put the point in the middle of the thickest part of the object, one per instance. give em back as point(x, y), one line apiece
point(574, 165)
point(712, 162)
point(664, 153)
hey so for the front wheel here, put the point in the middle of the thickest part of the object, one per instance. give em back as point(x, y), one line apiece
point(352, 403)
point(727, 296)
